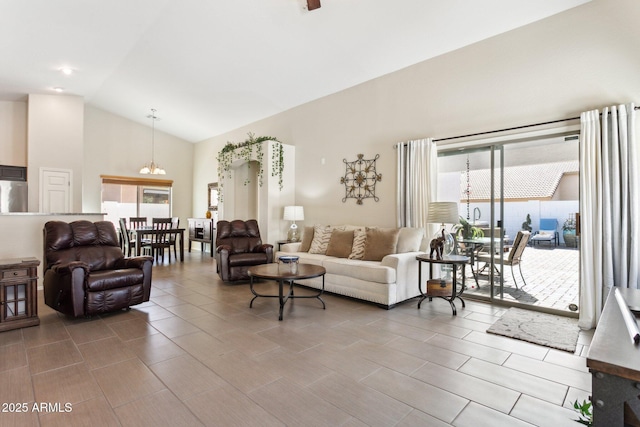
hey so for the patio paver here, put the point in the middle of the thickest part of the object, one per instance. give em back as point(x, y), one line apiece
point(551, 275)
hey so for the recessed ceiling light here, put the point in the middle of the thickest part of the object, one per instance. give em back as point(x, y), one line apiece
point(58, 89)
point(66, 71)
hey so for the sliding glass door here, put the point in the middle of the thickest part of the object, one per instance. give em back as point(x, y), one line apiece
point(517, 203)
point(129, 197)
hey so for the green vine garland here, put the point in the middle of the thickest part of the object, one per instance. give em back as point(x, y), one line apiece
point(243, 150)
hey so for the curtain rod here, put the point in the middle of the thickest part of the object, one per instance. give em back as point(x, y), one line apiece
point(512, 128)
point(506, 129)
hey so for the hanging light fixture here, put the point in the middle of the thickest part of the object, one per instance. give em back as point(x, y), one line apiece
point(153, 168)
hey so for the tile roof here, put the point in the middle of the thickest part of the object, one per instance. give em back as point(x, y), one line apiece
point(526, 182)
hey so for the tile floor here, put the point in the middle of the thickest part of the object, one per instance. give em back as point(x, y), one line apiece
point(196, 354)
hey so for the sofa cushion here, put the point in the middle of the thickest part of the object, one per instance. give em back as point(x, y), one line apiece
point(307, 237)
point(370, 271)
point(359, 239)
point(340, 243)
point(113, 279)
point(409, 239)
point(320, 241)
point(380, 243)
point(321, 237)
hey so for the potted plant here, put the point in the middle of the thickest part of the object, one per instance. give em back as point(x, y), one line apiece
point(569, 232)
point(526, 225)
point(464, 230)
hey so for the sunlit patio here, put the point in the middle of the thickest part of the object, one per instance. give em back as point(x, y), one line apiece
point(551, 275)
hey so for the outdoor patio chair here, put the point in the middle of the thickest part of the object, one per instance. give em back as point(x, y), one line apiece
point(511, 258)
point(548, 232)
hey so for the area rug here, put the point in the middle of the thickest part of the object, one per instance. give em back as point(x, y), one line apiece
point(553, 331)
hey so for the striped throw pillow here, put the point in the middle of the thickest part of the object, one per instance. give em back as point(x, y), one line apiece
point(321, 237)
point(359, 240)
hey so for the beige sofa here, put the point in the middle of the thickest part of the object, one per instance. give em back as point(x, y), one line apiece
point(368, 263)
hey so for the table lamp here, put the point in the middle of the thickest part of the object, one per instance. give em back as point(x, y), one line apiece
point(444, 213)
point(293, 213)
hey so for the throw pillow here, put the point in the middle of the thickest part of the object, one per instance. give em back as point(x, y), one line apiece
point(320, 241)
point(409, 239)
point(307, 237)
point(380, 243)
point(359, 239)
point(340, 243)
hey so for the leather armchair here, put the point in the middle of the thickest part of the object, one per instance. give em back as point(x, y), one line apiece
point(85, 271)
point(238, 247)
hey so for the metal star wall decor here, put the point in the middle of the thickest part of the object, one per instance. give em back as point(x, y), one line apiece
point(360, 179)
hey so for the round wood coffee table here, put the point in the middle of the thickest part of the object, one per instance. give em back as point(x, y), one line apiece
point(281, 273)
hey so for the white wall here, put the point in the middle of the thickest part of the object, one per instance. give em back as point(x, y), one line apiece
point(55, 140)
point(13, 133)
point(242, 202)
point(578, 60)
point(117, 146)
point(64, 133)
point(264, 203)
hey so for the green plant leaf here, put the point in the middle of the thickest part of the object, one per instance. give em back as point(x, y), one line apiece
point(244, 150)
point(585, 415)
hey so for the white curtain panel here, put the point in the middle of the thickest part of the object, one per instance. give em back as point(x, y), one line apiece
point(417, 166)
point(609, 207)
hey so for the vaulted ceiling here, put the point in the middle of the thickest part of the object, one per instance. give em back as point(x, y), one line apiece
point(210, 66)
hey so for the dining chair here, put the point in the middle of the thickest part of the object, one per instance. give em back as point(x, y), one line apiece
point(129, 244)
point(469, 249)
point(137, 222)
point(175, 223)
point(161, 241)
point(122, 223)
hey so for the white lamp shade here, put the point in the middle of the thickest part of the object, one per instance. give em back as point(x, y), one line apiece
point(443, 213)
point(293, 213)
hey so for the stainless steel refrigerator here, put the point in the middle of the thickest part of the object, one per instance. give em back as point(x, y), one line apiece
point(13, 196)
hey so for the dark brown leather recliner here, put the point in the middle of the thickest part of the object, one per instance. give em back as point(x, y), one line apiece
point(85, 271)
point(238, 247)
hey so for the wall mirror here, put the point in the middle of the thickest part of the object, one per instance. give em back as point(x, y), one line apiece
point(212, 196)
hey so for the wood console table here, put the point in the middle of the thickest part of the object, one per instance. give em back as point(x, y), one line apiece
point(18, 299)
point(614, 362)
point(202, 230)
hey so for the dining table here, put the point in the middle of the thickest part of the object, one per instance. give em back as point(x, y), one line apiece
point(140, 232)
point(474, 245)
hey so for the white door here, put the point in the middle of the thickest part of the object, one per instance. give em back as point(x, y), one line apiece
point(55, 190)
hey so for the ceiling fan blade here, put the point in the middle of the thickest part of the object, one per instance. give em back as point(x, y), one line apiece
point(313, 4)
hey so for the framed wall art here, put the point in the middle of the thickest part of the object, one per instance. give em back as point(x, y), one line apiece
point(360, 178)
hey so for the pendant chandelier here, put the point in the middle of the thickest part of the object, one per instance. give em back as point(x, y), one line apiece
point(152, 168)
